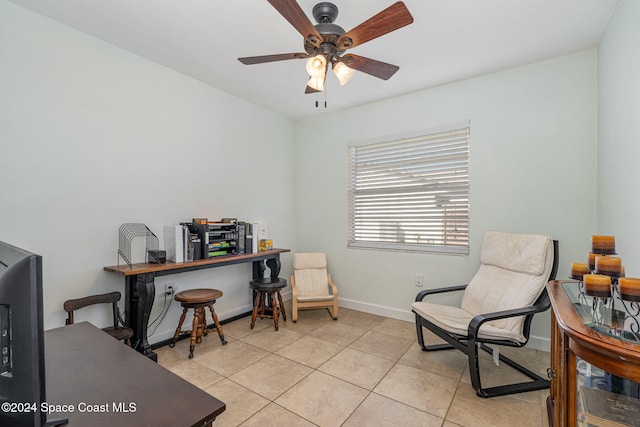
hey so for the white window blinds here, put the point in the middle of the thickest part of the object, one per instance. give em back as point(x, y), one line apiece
point(411, 194)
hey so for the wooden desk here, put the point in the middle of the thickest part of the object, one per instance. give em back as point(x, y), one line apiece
point(109, 384)
point(140, 288)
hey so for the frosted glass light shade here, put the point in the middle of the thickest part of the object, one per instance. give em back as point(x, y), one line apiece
point(316, 66)
point(343, 73)
point(316, 83)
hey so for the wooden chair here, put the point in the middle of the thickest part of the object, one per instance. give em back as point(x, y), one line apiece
point(119, 330)
point(497, 305)
point(311, 285)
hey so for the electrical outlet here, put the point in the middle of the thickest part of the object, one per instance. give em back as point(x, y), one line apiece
point(419, 280)
point(170, 288)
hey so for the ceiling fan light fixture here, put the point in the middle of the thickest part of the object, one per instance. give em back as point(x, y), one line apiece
point(316, 83)
point(326, 42)
point(343, 73)
point(316, 66)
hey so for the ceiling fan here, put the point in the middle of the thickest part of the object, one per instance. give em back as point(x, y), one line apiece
point(325, 43)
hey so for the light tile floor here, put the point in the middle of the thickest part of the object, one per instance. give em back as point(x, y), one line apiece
point(361, 370)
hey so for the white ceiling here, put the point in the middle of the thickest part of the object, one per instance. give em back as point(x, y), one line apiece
point(449, 40)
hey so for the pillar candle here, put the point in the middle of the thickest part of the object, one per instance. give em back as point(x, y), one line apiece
point(609, 265)
point(597, 285)
point(578, 270)
point(629, 286)
point(603, 244)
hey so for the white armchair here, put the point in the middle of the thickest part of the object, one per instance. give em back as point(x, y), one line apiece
point(497, 305)
point(311, 285)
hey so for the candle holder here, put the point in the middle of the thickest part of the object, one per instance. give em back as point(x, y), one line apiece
point(601, 310)
point(613, 315)
point(581, 294)
point(613, 298)
point(631, 308)
point(600, 263)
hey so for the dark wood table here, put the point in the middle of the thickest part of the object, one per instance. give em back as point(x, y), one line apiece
point(140, 288)
point(109, 384)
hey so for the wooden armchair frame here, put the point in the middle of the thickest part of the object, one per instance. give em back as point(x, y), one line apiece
point(331, 305)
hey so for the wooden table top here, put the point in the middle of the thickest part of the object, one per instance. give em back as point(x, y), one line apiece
point(144, 268)
point(110, 384)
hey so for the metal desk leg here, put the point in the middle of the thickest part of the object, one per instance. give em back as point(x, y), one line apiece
point(141, 292)
point(274, 266)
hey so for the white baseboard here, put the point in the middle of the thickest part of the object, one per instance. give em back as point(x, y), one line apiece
point(286, 296)
point(535, 342)
point(539, 343)
point(379, 310)
point(168, 334)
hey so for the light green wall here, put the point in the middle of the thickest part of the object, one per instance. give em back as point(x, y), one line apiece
point(619, 134)
point(92, 136)
point(88, 130)
point(533, 157)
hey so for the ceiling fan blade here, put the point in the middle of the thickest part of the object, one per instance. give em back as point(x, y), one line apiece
point(292, 12)
point(249, 60)
point(378, 69)
point(390, 19)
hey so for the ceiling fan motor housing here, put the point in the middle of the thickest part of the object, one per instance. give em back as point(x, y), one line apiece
point(330, 41)
point(325, 13)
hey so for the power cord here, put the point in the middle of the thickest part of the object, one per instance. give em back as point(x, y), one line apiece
point(163, 313)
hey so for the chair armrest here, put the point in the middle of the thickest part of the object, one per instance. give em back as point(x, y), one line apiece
point(478, 320)
point(294, 290)
point(121, 320)
point(334, 288)
point(422, 294)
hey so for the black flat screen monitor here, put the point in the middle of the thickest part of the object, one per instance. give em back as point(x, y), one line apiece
point(22, 373)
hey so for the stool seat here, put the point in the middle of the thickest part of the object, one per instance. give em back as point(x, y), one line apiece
point(198, 296)
point(199, 300)
point(266, 291)
point(267, 283)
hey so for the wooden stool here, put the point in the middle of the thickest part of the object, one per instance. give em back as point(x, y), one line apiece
point(199, 300)
point(268, 287)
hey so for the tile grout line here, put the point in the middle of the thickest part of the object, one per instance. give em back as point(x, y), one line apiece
point(401, 333)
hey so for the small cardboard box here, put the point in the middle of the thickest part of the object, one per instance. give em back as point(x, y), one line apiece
point(265, 245)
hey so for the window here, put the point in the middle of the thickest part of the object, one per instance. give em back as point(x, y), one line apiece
point(411, 193)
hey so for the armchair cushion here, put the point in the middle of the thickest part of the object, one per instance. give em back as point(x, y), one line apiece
point(513, 273)
point(523, 253)
point(309, 260)
point(456, 320)
point(311, 278)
